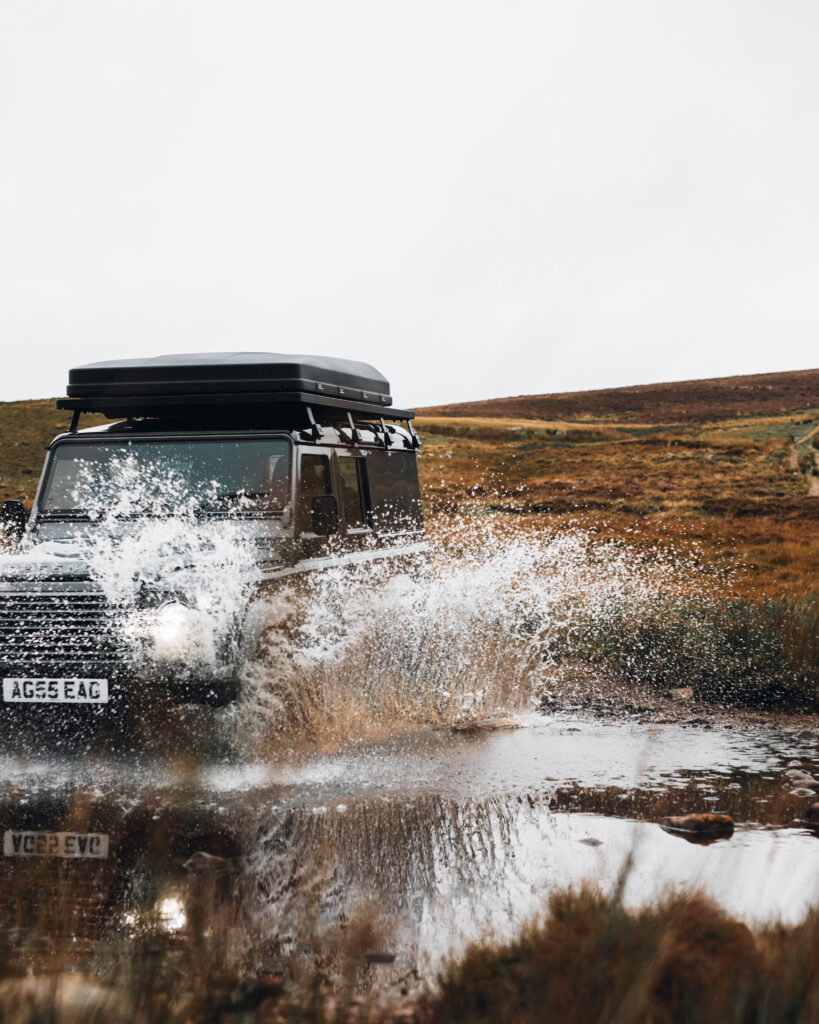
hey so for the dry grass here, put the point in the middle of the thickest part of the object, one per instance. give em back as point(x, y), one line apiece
point(592, 960)
point(26, 429)
point(737, 492)
point(734, 652)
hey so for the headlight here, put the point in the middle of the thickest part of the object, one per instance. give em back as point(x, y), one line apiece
point(171, 913)
point(178, 633)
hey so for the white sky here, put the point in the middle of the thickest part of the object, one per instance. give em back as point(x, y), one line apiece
point(482, 198)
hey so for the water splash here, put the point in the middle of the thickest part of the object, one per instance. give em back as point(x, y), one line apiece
point(147, 547)
point(470, 634)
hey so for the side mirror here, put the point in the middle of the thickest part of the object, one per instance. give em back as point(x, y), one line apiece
point(13, 520)
point(324, 515)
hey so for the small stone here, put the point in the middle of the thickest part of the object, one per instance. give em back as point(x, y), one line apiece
point(206, 863)
point(701, 825)
point(380, 958)
point(680, 693)
point(795, 764)
point(591, 841)
point(806, 793)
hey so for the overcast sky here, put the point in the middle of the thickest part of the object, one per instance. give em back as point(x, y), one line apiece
point(480, 198)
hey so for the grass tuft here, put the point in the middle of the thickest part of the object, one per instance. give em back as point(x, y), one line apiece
point(763, 653)
point(590, 959)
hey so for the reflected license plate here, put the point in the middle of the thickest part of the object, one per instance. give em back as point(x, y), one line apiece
point(55, 691)
point(55, 844)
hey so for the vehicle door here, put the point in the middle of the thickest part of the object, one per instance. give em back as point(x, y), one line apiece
point(355, 506)
point(317, 514)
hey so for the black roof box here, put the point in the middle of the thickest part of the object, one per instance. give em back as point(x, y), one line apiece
point(162, 383)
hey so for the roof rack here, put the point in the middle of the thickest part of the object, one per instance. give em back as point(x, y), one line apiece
point(163, 385)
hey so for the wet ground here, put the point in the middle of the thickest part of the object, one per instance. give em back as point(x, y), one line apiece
point(431, 840)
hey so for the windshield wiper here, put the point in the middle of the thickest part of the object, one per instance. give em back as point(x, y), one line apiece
point(65, 513)
point(239, 498)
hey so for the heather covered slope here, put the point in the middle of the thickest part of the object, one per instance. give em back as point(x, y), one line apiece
point(743, 490)
point(26, 428)
point(689, 401)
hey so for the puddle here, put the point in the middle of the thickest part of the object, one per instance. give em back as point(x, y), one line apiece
point(448, 836)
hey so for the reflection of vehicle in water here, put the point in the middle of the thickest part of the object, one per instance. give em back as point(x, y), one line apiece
point(77, 869)
point(170, 865)
point(300, 459)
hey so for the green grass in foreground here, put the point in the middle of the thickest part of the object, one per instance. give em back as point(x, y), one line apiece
point(755, 653)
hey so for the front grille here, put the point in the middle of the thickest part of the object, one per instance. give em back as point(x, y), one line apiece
point(59, 626)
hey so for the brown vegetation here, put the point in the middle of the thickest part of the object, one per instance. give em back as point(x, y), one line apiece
point(26, 430)
point(740, 492)
point(688, 401)
point(593, 960)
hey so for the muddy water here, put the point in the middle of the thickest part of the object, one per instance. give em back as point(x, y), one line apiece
point(435, 838)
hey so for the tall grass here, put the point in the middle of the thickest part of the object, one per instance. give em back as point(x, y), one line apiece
point(763, 653)
point(590, 959)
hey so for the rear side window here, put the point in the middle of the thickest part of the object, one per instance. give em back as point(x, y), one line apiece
point(352, 493)
point(314, 481)
point(394, 491)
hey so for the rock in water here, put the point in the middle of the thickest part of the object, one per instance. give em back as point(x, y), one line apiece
point(803, 792)
point(805, 781)
point(680, 693)
point(206, 863)
point(699, 826)
point(809, 819)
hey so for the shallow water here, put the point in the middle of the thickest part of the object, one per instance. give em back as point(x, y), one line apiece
point(441, 836)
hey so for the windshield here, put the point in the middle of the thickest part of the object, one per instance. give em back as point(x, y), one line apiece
point(153, 476)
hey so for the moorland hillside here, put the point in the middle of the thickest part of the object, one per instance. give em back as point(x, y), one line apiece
point(688, 401)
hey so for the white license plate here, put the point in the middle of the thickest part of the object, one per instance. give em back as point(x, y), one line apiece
point(55, 691)
point(55, 844)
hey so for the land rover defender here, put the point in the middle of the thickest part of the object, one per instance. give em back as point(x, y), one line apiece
point(304, 455)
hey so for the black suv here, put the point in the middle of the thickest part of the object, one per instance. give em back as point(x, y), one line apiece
point(306, 453)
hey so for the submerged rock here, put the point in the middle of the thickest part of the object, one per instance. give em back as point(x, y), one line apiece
point(809, 819)
point(699, 827)
point(680, 693)
point(803, 779)
point(486, 724)
point(206, 863)
point(801, 791)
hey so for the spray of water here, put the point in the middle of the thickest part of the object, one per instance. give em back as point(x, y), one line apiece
point(148, 546)
point(470, 635)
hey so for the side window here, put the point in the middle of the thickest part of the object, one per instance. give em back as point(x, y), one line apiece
point(350, 469)
point(314, 481)
point(278, 480)
point(394, 491)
